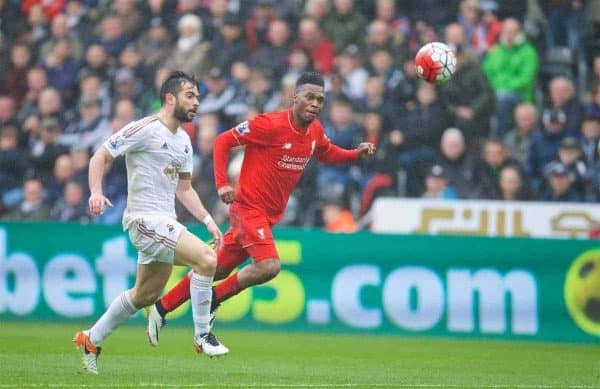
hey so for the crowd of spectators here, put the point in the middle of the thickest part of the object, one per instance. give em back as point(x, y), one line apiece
point(520, 120)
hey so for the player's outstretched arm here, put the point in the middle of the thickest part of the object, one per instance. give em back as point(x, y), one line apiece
point(191, 201)
point(222, 147)
point(99, 165)
point(334, 154)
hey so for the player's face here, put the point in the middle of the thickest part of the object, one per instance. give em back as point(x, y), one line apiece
point(308, 102)
point(186, 103)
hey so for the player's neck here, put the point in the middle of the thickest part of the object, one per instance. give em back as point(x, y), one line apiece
point(168, 120)
point(296, 124)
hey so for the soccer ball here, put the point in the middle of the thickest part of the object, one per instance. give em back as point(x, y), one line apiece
point(435, 62)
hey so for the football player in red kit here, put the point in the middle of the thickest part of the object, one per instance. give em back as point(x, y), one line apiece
point(278, 146)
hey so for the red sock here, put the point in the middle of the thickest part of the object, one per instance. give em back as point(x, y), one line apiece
point(230, 286)
point(177, 295)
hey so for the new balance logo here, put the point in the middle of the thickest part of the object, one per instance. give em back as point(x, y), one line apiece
point(261, 233)
point(287, 146)
point(165, 146)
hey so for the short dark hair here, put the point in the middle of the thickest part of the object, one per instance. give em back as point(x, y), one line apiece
point(313, 78)
point(174, 83)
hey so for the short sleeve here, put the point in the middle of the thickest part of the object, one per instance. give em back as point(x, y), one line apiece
point(128, 138)
point(258, 131)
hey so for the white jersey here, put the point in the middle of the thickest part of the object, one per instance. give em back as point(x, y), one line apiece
point(154, 157)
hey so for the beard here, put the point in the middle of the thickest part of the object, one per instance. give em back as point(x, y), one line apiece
point(181, 114)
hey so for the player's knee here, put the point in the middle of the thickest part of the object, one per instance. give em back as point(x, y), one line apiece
point(206, 261)
point(270, 268)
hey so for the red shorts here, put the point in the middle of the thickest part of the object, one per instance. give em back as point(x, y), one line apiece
point(248, 236)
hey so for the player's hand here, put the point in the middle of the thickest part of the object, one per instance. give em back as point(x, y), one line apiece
point(216, 234)
point(365, 149)
point(97, 202)
point(226, 194)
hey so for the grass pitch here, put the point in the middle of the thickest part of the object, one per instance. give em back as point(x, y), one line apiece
point(43, 355)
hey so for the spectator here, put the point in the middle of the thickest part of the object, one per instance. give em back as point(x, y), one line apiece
point(129, 16)
point(566, 23)
point(375, 101)
point(91, 130)
point(381, 37)
point(518, 140)
point(61, 30)
point(7, 111)
point(354, 75)
point(219, 98)
point(229, 46)
point(11, 162)
point(61, 68)
point(512, 185)
point(468, 97)
point(487, 32)
point(333, 180)
point(154, 46)
point(44, 150)
point(592, 107)
point(464, 170)
point(378, 173)
point(91, 85)
point(563, 98)
point(317, 9)
point(33, 206)
point(274, 53)
point(131, 59)
point(436, 185)
point(37, 23)
point(14, 80)
point(544, 144)
point(418, 136)
point(560, 187)
point(259, 91)
point(160, 13)
point(337, 218)
point(62, 172)
point(590, 137)
point(319, 47)
point(257, 25)
point(345, 25)
point(383, 66)
point(593, 178)
point(495, 159)
point(511, 67)
point(190, 54)
point(37, 81)
point(71, 206)
point(98, 62)
point(571, 155)
point(112, 36)
point(126, 111)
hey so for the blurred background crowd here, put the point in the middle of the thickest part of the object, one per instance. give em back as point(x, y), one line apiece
point(520, 120)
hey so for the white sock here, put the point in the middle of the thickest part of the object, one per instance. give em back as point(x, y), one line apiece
point(201, 296)
point(118, 312)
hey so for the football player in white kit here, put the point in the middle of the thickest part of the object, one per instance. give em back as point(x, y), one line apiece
point(158, 155)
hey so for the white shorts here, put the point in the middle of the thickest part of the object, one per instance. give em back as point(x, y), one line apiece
point(155, 238)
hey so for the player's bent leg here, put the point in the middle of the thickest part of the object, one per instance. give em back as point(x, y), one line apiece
point(151, 280)
point(253, 274)
point(259, 272)
point(196, 254)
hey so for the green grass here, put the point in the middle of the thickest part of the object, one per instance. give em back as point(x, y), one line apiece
point(42, 355)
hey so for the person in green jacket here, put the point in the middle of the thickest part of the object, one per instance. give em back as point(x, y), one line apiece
point(511, 66)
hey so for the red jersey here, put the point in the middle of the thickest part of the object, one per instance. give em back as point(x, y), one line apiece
point(277, 151)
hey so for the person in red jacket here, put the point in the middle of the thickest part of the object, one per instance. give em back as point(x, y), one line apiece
point(278, 146)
